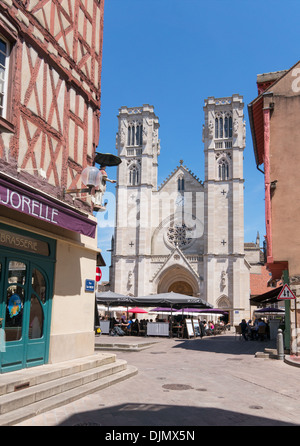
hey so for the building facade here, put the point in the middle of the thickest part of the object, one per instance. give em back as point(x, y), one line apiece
point(185, 235)
point(50, 75)
point(276, 136)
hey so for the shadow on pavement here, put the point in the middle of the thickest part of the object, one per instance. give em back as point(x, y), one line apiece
point(225, 344)
point(131, 414)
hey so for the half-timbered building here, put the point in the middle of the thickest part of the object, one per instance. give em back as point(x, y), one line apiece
point(50, 76)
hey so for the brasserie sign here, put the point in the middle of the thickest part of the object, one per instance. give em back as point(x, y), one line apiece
point(24, 243)
point(45, 208)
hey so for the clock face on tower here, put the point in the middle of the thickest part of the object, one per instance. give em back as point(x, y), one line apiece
point(180, 200)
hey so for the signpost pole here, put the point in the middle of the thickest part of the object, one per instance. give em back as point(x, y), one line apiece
point(296, 330)
point(287, 306)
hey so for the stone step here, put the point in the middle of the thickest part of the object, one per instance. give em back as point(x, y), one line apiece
point(17, 416)
point(25, 378)
point(30, 395)
point(123, 346)
point(268, 353)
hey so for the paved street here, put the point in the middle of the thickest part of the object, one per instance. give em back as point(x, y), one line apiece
point(215, 381)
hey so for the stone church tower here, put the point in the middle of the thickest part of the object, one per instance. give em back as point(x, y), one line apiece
point(184, 236)
point(225, 269)
point(138, 147)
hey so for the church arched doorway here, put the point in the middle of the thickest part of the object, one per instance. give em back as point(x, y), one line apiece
point(181, 287)
point(178, 280)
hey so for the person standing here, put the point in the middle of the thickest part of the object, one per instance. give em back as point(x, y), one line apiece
point(244, 328)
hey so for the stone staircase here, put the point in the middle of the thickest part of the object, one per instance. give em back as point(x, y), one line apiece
point(29, 392)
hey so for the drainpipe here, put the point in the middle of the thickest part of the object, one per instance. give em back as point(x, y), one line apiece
point(266, 114)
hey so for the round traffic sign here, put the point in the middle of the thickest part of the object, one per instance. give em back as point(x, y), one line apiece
point(98, 274)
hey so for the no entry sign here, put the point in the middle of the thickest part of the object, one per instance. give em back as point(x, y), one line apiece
point(98, 274)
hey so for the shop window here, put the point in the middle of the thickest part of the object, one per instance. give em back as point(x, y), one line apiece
point(38, 299)
point(39, 284)
point(15, 297)
point(17, 272)
point(36, 321)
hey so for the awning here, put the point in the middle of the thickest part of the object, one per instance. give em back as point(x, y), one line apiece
point(27, 200)
point(266, 298)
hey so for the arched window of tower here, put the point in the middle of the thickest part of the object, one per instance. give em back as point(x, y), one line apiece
point(134, 175)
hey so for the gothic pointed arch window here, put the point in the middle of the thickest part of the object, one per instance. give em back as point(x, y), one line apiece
point(134, 175)
point(180, 184)
point(223, 125)
point(228, 127)
point(135, 134)
point(223, 169)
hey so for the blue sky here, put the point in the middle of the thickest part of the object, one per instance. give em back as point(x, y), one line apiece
point(173, 54)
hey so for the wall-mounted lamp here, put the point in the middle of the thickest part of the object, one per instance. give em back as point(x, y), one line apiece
point(91, 177)
point(273, 184)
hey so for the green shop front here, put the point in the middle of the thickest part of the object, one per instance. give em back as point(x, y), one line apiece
point(28, 276)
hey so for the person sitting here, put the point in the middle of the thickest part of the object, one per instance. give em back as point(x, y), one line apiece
point(261, 329)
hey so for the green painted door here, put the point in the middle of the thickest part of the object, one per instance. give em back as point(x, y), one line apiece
point(26, 288)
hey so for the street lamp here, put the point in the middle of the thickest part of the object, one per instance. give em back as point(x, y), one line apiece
point(91, 177)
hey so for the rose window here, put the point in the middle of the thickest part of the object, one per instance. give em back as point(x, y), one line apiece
point(178, 236)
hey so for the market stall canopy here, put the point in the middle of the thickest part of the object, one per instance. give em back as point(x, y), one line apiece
point(107, 159)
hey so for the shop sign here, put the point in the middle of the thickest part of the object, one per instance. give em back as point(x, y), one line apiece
point(28, 205)
point(24, 243)
point(43, 208)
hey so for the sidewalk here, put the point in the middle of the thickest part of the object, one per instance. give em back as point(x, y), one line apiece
point(216, 381)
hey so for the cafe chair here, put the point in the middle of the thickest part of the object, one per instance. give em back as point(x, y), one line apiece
point(135, 328)
point(238, 332)
point(141, 329)
point(261, 333)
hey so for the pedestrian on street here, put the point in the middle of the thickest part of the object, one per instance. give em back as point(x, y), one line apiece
point(244, 328)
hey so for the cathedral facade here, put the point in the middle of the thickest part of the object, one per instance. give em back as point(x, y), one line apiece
point(185, 235)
